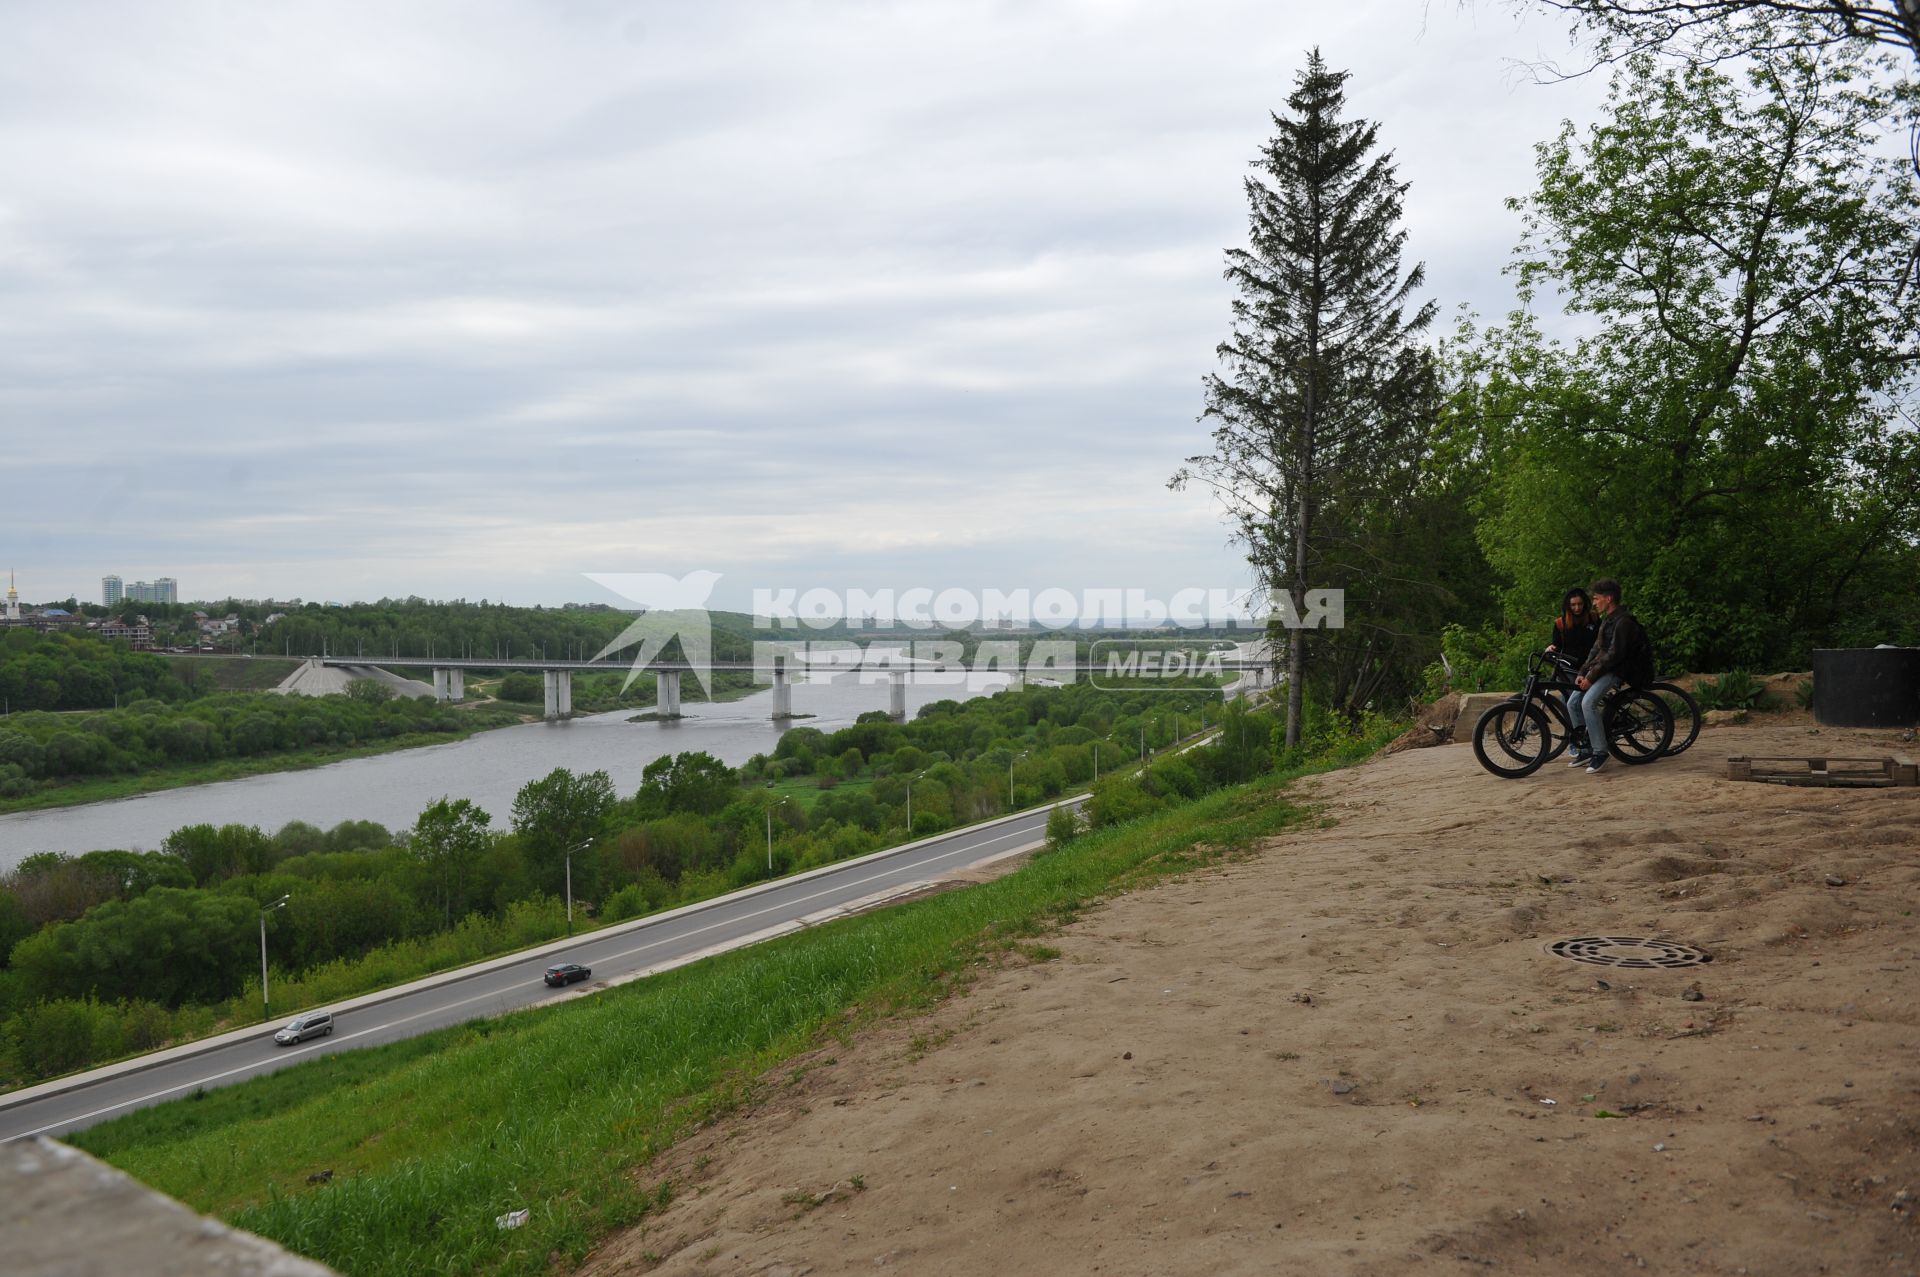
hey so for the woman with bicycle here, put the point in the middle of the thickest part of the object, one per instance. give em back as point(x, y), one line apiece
point(1573, 633)
point(1574, 628)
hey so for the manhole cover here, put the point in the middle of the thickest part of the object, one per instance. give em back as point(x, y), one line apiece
point(1629, 951)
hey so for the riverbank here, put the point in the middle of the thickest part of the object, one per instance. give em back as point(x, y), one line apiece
point(1352, 1053)
point(100, 789)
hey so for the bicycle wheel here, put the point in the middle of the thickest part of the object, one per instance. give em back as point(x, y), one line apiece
point(1685, 712)
point(1639, 729)
point(1559, 729)
point(1511, 740)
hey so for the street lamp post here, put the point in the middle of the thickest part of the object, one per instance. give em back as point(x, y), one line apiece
point(1010, 762)
point(582, 847)
point(770, 807)
point(1143, 742)
point(910, 780)
point(1096, 760)
point(266, 1006)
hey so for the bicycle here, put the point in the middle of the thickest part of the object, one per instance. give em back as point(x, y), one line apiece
point(1640, 726)
point(1685, 712)
point(1681, 707)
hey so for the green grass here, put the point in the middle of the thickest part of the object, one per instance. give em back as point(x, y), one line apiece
point(553, 1110)
point(233, 673)
point(95, 789)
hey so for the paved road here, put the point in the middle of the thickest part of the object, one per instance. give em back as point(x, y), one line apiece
point(465, 997)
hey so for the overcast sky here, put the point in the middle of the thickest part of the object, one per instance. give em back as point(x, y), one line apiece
point(350, 300)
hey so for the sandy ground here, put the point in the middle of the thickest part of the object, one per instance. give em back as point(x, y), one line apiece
point(1352, 1053)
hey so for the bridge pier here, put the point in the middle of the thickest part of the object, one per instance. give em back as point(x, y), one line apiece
point(449, 684)
point(667, 693)
point(897, 694)
point(782, 691)
point(559, 694)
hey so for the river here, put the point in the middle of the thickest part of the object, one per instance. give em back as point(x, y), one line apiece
point(488, 768)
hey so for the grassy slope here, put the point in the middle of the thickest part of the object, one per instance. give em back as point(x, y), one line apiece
point(233, 673)
point(551, 1110)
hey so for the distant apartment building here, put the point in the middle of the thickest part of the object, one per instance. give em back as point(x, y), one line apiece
point(160, 590)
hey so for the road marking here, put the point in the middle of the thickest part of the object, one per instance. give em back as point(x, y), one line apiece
point(482, 997)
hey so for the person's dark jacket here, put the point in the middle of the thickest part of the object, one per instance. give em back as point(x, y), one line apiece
point(1574, 639)
point(1621, 647)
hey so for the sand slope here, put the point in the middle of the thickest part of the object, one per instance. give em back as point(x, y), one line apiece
point(1336, 1057)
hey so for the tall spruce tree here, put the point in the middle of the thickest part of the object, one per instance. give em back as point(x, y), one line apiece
point(1310, 405)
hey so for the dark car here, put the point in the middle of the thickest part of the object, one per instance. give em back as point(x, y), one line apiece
point(567, 973)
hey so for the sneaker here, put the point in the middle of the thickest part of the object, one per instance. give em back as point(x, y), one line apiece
point(1598, 761)
point(1578, 760)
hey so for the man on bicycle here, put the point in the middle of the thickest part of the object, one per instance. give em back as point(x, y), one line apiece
point(1621, 654)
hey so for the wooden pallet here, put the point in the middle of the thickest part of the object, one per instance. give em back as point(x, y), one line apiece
point(1836, 773)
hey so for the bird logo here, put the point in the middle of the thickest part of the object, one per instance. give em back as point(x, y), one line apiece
point(672, 608)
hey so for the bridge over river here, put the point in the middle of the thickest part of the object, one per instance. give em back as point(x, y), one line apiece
point(891, 665)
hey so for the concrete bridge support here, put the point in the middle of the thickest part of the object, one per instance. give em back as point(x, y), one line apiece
point(897, 695)
point(667, 693)
point(559, 690)
point(782, 691)
point(449, 685)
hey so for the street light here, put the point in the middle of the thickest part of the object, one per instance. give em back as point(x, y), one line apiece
point(916, 776)
point(1143, 742)
point(266, 1007)
point(582, 847)
point(770, 807)
point(1096, 761)
point(1010, 762)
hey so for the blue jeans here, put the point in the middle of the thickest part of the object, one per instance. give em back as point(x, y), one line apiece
point(1585, 706)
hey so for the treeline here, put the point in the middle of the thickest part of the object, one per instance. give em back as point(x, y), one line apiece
point(1731, 437)
point(69, 671)
point(115, 951)
point(421, 628)
point(40, 750)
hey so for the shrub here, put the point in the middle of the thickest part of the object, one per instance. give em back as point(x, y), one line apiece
point(1063, 825)
point(1735, 690)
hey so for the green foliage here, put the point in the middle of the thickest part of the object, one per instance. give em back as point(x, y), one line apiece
point(1324, 407)
point(1728, 441)
point(171, 945)
point(212, 853)
point(1062, 827)
point(1737, 690)
point(562, 813)
point(522, 686)
point(448, 840)
point(694, 783)
point(370, 691)
point(71, 671)
point(1803, 693)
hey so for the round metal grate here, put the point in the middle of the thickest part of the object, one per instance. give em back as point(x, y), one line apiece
point(1629, 951)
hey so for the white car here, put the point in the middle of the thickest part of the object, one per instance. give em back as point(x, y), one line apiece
point(314, 1024)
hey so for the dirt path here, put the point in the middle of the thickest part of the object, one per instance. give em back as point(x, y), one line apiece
point(1352, 1054)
